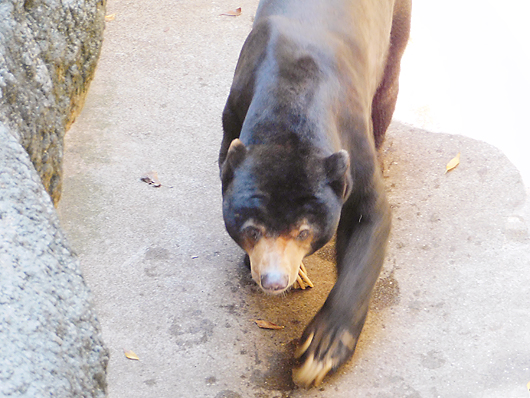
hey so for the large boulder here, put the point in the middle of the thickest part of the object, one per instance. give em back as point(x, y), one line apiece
point(51, 341)
point(48, 54)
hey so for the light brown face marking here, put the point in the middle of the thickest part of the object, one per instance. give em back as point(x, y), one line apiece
point(281, 254)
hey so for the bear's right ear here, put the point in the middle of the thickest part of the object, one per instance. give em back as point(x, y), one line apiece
point(234, 157)
point(338, 173)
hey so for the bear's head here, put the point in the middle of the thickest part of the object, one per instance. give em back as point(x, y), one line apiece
point(280, 204)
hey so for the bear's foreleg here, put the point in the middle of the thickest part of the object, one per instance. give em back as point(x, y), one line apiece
point(331, 337)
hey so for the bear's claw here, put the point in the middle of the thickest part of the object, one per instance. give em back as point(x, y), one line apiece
point(322, 355)
point(303, 348)
point(312, 372)
point(302, 281)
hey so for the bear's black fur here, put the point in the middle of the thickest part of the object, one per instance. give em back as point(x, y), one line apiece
point(313, 94)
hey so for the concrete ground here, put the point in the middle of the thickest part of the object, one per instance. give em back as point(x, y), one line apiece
point(450, 315)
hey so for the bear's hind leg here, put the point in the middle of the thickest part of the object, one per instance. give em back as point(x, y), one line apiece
point(384, 101)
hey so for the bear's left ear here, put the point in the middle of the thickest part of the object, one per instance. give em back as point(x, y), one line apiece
point(338, 173)
point(235, 156)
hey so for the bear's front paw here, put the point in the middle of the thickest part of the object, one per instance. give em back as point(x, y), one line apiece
point(323, 347)
point(302, 280)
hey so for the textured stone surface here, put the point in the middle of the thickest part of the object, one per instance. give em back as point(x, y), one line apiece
point(51, 342)
point(48, 54)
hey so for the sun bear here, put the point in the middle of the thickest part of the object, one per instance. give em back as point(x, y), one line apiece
point(313, 93)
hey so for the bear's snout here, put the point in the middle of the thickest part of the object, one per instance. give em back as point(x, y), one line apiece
point(274, 281)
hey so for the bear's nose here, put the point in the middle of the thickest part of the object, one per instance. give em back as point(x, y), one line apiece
point(274, 281)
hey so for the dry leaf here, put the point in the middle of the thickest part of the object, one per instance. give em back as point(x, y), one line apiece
point(267, 325)
point(453, 163)
point(234, 13)
point(110, 17)
point(151, 178)
point(131, 355)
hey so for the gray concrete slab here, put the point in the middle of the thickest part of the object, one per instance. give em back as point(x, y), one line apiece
point(450, 314)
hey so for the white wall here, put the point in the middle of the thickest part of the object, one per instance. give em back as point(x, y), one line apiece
point(467, 71)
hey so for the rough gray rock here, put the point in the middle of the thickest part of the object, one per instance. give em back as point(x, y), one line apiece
point(48, 55)
point(51, 342)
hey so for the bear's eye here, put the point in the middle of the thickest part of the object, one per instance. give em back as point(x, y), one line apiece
point(303, 235)
point(253, 233)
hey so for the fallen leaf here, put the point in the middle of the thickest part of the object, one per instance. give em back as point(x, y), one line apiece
point(131, 355)
point(234, 13)
point(267, 325)
point(151, 178)
point(453, 163)
point(110, 17)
